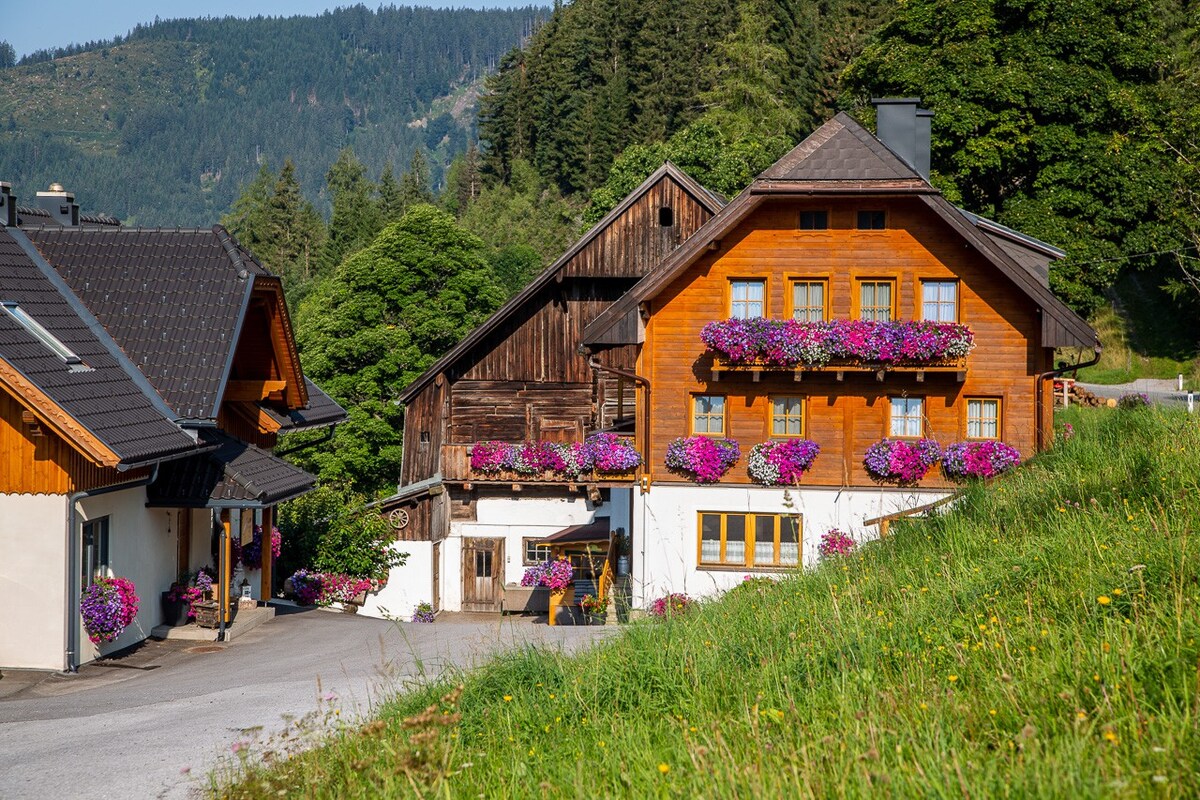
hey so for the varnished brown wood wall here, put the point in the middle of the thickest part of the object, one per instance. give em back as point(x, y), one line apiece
point(526, 379)
point(45, 464)
point(843, 418)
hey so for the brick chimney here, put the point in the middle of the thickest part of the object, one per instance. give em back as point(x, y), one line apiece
point(904, 127)
point(60, 205)
point(8, 206)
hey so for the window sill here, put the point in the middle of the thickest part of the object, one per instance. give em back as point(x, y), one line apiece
point(734, 568)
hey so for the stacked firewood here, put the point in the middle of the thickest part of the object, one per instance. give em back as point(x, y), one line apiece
point(1079, 395)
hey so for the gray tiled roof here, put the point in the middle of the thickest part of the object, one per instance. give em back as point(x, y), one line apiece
point(235, 474)
point(103, 397)
point(172, 299)
point(840, 150)
point(322, 410)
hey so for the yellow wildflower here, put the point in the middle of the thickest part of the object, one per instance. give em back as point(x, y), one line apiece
point(664, 768)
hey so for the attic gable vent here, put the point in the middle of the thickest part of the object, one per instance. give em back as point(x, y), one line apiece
point(49, 340)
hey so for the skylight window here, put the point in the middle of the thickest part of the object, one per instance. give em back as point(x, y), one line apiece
point(35, 329)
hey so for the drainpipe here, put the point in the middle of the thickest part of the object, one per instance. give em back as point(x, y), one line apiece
point(645, 383)
point(71, 651)
point(1040, 390)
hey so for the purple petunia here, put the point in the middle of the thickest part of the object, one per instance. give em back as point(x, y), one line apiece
point(791, 343)
point(704, 458)
point(900, 461)
point(108, 606)
point(781, 463)
point(603, 452)
point(978, 459)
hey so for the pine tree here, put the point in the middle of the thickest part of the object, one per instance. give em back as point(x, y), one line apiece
point(414, 184)
point(391, 203)
point(469, 179)
point(296, 233)
point(356, 218)
point(247, 219)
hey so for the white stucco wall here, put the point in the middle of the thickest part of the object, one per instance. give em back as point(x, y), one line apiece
point(665, 528)
point(142, 548)
point(32, 573)
point(407, 586)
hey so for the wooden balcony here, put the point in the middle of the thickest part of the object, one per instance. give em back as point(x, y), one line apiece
point(721, 367)
point(456, 468)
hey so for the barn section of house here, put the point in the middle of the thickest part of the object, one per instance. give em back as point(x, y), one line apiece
point(840, 228)
point(519, 377)
point(145, 376)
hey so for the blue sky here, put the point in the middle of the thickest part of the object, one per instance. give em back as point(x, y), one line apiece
point(77, 21)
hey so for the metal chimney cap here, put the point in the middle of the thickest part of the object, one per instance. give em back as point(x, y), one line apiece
point(5, 185)
point(56, 187)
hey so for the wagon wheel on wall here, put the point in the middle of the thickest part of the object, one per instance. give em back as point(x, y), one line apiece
point(399, 518)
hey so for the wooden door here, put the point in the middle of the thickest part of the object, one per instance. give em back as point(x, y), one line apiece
point(482, 571)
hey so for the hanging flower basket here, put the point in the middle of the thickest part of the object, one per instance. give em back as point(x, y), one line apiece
point(965, 460)
point(702, 458)
point(781, 463)
point(108, 606)
point(772, 342)
point(900, 461)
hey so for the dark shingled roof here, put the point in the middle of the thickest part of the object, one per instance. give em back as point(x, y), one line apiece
point(322, 410)
point(840, 150)
point(103, 394)
point(234, 475)
point(172, 299)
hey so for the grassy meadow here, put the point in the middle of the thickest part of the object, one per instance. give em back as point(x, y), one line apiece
point(1040, 640)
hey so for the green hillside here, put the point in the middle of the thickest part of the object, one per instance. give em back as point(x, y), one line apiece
point(1040, 640)
point(164, 126)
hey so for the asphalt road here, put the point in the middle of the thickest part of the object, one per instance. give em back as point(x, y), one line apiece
point(1160, 392)
point(159, 723)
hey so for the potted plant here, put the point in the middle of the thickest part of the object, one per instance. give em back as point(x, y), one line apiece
point(593, 609)
point(704, 459)
point(986, 459)
point(781, 463)
point(899, 461)
point(623, 548)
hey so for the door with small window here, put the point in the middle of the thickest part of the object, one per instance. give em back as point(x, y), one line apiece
point(483, 574)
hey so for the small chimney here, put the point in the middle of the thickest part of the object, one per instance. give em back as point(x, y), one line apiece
point(60, 205)
point(904, 128)
point(8, 206)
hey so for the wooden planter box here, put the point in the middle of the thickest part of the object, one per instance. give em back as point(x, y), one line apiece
point(526, 599)
point(208, 614)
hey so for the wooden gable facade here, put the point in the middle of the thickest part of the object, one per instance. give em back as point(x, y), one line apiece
point(520, 375)
point(892, 229)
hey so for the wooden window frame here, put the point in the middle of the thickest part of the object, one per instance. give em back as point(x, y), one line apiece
point(771, 434)
point(966, 428)
point(691, 412)
point(748, 561)
point(800, 217)
point(856, 300)
point(887, 423)
point(920, 298)
point(526, 541)
point(790, 300)
point(763, 279)
point(857, 221)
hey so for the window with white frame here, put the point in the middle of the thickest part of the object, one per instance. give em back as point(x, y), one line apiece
point(939, 301)
point(747, 299)
point(906, 416)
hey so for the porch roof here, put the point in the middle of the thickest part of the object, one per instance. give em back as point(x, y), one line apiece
point(234, 475)
point(597, 531)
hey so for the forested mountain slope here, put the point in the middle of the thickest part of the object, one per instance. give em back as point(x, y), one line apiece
point(165, 125)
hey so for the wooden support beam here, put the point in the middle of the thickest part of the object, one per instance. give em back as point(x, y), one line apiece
point(754, 376)
point(226, 567)
point(798, 375)
point(268, 559)
point(253, 391)
point(716, 375)
point(516, 487)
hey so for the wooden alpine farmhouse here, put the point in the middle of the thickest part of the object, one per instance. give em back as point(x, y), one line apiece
point(845, 227)
point(145, 376)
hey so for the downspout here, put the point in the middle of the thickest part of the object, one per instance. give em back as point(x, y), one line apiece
point(645, 383)
point(1040, 391)
point(70, 654)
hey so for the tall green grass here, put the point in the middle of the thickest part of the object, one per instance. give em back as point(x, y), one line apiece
point(1039, 640)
